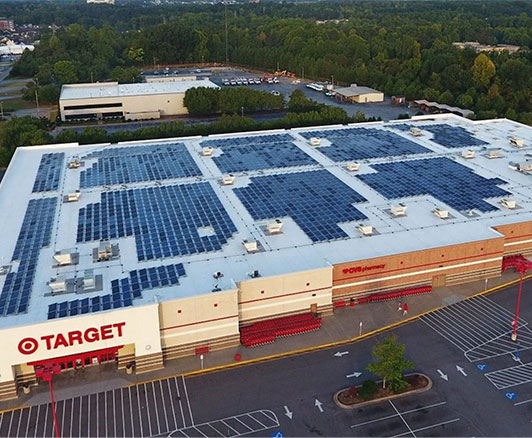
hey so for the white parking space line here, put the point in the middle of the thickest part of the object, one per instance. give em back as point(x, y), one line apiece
point(432, 426)
point(513, 376)
point(522, 402)
point(188, 400)
point(171, 401)
point(27, 424)
point(45, 420)
point(164, 404)
point(395, 415)
point(402, 419)
point(244, 424)
point(156, 409)
point(180, 403)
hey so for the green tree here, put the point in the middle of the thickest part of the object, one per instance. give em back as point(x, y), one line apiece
point(483, 70)
point(390, 363)
point(65, 72)
point(126, 75)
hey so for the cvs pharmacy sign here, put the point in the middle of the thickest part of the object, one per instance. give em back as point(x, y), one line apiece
point(75, 337)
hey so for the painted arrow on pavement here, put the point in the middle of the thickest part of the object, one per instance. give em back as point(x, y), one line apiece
point(443, 376)
point(341, 353)
point(355, 374)
point(461, 370)
point(288, 413)
point(318, 404)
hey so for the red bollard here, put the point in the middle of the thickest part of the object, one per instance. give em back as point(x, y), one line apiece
point(238, 356)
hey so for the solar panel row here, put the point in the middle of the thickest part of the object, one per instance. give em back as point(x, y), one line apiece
point(449, 136)
point(123, 291)
point(444, 179)
point(49, 172)
point(316, 200)
point(137, 164)
point(166, 221)
point(35, 234)
point(363, 143)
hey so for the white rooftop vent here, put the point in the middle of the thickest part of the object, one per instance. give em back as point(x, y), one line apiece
point(63, 259)
point(525, 166)
point(366, 230)
point(517, 142)
point(218, 274)
point(508, 203)
point(442, 214)
point(89, 282)
point(57, 285)
point(353, 166)
point(207, 151)
point(227, 180)
point(468, 153)
point(398, 210)
point(74, 163)
point(494, 153)
point(315, 141)
point(73, 197)
point(250, 245)
point(416, 132)
point(275, 226)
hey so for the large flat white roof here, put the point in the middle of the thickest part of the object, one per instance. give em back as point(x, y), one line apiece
point(162, 202)
point(114, 89)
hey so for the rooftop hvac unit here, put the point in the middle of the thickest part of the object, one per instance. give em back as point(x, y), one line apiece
point(73, 197)
point(494, 153)
point(442, 214)
point(104, 252)
point(74, 163)
point(352, 167)
point(366, 230)
point(315, 141)
point(227, 180)
point(525, 166)
point(89, 282)
point(517, 142)
point(398, 210)
point(207, 151)
point(275, 226)
point(468, 153)
point(63, 259)
point(57, 285)
point(416, 132)
point(508, 203)
point(254, 274)
point(250, 245)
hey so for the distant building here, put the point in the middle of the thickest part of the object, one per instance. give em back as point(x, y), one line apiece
point(140, 101)
point(7, 25)
point(107, 2)
point(11, 48)
point(435, 107)
point(477, 47)
point(358, 94)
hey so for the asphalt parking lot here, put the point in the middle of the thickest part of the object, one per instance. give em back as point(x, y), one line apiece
point(482, 386)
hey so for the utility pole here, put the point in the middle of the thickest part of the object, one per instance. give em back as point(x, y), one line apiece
point(2, 109)
point(242, 110)
point(226, 34)
point(37, 97)
point(92, 78)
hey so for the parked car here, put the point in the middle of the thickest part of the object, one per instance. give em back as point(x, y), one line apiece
point(244, 81)
point(275, 80)
point(270, 81)
point(233, 82)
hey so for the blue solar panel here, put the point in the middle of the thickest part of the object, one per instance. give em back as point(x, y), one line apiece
point(258, 152)
point(138, 163)
point(316, 200)
point(363, 143)
point(49, 172)
point(123, 291)
point(449, 136)
point(35, 234)
point(448, 181)
point(165, 221)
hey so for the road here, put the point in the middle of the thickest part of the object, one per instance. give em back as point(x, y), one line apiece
point(481, 387)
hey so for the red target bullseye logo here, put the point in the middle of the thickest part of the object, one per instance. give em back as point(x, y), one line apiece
point(28, 346)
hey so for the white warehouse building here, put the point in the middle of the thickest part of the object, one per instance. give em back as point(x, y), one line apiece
point(131, 101)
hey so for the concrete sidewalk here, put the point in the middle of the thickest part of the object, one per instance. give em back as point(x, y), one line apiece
point(344, 325)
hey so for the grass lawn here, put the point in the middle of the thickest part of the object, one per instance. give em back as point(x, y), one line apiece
point(21, 83)
point(16, 104)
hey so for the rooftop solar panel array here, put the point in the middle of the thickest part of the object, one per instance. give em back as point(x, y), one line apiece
point(449, 136)
point(316, 200)
point(123, 291)
point(140, 163)
point(49, 172)
point(35, 234)
point(258, 152)
point(165, 221)
point(448, 181)
point(364, 143)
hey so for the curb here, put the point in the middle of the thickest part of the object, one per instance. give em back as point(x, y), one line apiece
point(390, 397)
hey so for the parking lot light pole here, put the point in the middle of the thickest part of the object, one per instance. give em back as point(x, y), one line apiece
point(516, 319)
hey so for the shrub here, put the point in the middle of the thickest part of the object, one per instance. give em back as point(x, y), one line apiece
point(368, 388)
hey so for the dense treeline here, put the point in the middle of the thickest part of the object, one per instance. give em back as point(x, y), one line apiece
point(401, 48)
